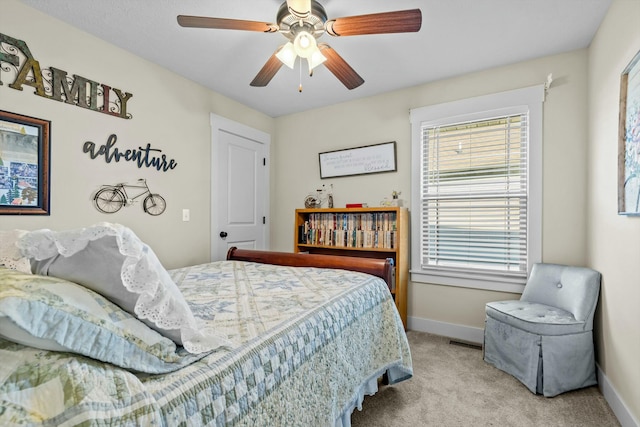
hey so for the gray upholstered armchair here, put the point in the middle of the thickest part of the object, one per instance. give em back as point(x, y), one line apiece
point(545, 339)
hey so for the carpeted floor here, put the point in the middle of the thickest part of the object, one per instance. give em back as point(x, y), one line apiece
point(453, 386)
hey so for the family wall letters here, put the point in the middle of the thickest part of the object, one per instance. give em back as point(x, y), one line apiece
point(54, 83)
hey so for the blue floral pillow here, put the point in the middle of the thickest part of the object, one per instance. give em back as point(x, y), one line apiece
point(55, 314)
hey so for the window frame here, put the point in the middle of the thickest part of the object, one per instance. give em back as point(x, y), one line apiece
point(529, 100)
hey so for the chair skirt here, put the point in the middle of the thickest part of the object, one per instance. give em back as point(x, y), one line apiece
point(545, 364)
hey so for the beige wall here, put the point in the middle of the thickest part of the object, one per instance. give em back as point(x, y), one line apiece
point(169, 112)
point(302, 136)
point(580, 225)
point(613, 240)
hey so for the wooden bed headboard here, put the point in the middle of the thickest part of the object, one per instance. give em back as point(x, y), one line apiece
point(382, 268)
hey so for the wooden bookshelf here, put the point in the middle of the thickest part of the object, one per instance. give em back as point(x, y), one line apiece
point(366, 232)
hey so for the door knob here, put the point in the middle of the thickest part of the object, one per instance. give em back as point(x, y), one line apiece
point(223, 234)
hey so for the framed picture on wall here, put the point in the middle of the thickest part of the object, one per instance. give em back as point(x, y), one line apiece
point(24, 165)
point(375, 158)
point(629, 140)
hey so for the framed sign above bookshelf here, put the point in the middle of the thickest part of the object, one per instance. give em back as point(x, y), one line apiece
point(376, 158)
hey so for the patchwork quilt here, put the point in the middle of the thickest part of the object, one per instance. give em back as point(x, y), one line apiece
point(308, 344)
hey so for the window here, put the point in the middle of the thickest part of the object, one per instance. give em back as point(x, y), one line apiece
point(476, 194)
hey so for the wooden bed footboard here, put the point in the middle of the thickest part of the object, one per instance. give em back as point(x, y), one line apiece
point(382, 268)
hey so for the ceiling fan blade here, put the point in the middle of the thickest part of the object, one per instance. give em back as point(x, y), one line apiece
point(401, 21)
point(267, 72)
point(340, 68)
point(299, 8)
point(226, 24)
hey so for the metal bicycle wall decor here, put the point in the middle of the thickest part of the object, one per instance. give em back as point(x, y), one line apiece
point(111, 198)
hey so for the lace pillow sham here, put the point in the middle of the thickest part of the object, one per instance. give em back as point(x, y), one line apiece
point(10, 255)
point(111, 260)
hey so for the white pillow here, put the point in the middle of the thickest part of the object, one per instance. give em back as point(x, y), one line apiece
point(112, 261)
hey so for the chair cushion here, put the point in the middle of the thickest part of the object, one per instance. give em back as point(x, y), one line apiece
point(574, 289)
point(535, 318)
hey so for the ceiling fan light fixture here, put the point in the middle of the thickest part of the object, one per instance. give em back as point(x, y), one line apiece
point(287, 55)
point(305, 44)
point(315, 59)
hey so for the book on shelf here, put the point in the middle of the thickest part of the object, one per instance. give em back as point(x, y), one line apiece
point(302, 234)
point(356, 205)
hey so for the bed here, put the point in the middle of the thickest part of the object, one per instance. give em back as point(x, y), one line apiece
point(270, 339)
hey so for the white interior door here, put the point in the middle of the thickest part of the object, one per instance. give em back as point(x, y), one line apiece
point(240, 187)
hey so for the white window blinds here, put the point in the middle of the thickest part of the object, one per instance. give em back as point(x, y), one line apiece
point(474, 195)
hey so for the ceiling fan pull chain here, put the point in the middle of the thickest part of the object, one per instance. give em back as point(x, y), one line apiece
point(300, 87)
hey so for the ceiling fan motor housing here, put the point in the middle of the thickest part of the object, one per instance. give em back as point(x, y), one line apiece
point(290, 25)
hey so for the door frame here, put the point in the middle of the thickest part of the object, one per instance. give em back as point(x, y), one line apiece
point(222, 124)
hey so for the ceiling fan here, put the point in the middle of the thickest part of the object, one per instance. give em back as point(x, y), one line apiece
point(303, 22)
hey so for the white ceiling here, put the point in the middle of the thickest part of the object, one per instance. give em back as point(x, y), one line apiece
point(457, 37)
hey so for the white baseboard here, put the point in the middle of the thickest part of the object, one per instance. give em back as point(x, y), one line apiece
point(617, 405)
point(451, 330)
point(476, 335)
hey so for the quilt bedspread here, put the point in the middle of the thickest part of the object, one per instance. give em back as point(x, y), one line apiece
point(307, 344)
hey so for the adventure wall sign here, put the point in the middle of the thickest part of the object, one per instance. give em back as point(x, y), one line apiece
point(17, 61)
point(142, 156)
